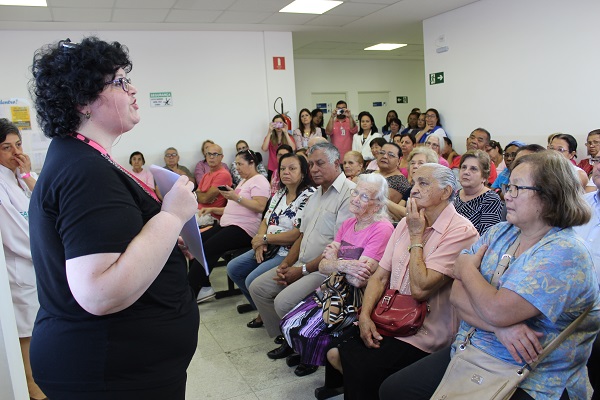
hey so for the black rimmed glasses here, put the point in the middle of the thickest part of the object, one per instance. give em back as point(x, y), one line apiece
point(514, 189)
point(122, 81)
point(362, 196)
point(211, 155)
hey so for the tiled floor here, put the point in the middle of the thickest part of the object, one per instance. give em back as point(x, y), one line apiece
point(231, 360)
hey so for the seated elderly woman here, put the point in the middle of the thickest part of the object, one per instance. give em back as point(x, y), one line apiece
point(436, 142)
point(242, 145)
point(417, 157)
point(239, 222)
point(475, 201)
point(279, 229)
point(349, 260)
point(388, 160)
point(434, 234)
point(549, 283)
point(353, 164)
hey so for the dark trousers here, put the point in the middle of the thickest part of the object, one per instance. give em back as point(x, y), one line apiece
point(365, 369)
point(217, 240)
point(593, 366)
point(420, 380)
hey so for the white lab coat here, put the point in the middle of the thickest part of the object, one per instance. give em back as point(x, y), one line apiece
point(14, 225)
point(364, 148)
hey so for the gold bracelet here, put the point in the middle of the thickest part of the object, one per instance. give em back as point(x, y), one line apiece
point(415, 245)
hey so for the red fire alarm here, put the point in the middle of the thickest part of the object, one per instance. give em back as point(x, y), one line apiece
point(279, 63)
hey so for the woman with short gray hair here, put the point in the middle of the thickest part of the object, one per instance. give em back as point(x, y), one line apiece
point(312, 326)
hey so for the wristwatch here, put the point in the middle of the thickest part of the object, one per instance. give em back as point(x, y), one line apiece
point(304, 270)
point(265, 238)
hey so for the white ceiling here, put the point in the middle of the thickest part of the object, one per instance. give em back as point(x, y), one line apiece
point(342, 32)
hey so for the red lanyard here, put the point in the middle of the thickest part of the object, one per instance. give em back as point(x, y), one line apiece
point(107, 156)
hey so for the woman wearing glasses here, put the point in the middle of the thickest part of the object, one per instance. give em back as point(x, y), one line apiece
point(117, 319)
point(417, 261)
point(549, 282)
point(566, 145)
point(238, 224)
point(432, 124)
point(349, 261)
point(436, 142)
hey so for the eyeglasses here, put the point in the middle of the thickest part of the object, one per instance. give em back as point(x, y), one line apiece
point(432, 145)
point(171, 155)
point(594, 161)
point(122, 81)
point(362, 196)
point(389, 154)
point(510, 155)
point(559, 149)
point(594, 143)
point(67, 44)
point(213, 154)
point(514, 189)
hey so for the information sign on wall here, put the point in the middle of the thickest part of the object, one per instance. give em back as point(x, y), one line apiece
point(436, 77)
point(161, 99)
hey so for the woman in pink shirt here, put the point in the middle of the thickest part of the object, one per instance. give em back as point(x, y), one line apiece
point(137, 161)
point(418, 261)
point(276, 136)
point(239, 221)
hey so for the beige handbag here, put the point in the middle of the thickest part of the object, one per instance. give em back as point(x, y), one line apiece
point(474, 374)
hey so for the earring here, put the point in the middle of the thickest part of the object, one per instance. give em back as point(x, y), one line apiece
point(88, 115)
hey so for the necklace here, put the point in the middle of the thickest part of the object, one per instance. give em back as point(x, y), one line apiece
point(108, 158)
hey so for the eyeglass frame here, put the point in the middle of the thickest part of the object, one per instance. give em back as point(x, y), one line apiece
point(507, 188)
point(211, 155)
point(123, 81)
point(363, 197)
point(594, 143)
point(389, 154)
point(560, 149)
point(594, 160)
point(171, 155)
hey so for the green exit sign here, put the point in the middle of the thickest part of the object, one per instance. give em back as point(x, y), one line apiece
point(436, 77)
point(402, 99)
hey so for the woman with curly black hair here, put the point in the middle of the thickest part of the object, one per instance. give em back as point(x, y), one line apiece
point(117, 319)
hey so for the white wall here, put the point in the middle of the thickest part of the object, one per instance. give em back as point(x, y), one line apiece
point(401, 78)
point(223, 85)
point(523, 69)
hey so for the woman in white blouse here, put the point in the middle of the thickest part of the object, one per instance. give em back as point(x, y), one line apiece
point(16, 183)
point(361, 141)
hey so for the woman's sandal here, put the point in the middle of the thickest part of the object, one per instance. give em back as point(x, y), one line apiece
point(255, 324)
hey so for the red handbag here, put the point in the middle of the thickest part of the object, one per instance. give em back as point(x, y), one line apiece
point(398, 314)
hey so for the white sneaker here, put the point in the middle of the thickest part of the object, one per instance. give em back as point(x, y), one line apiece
point(206, 293)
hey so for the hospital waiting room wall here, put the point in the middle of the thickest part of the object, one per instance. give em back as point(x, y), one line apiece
point(521, 68)
point(223, 85)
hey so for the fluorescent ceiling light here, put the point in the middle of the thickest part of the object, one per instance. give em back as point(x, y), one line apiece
point(310, 6)
point(386, 46)
point(30, 3)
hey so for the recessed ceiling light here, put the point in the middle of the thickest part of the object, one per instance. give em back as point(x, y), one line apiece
point(30, 3)
point(310, 6)
point(386, 46)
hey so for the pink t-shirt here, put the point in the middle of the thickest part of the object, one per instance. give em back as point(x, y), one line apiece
point(144, 176)
point(214, 179)
point(449, 234)
point(369, 242)
point(444, 162)
point(341, 135)
point(237, 214)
